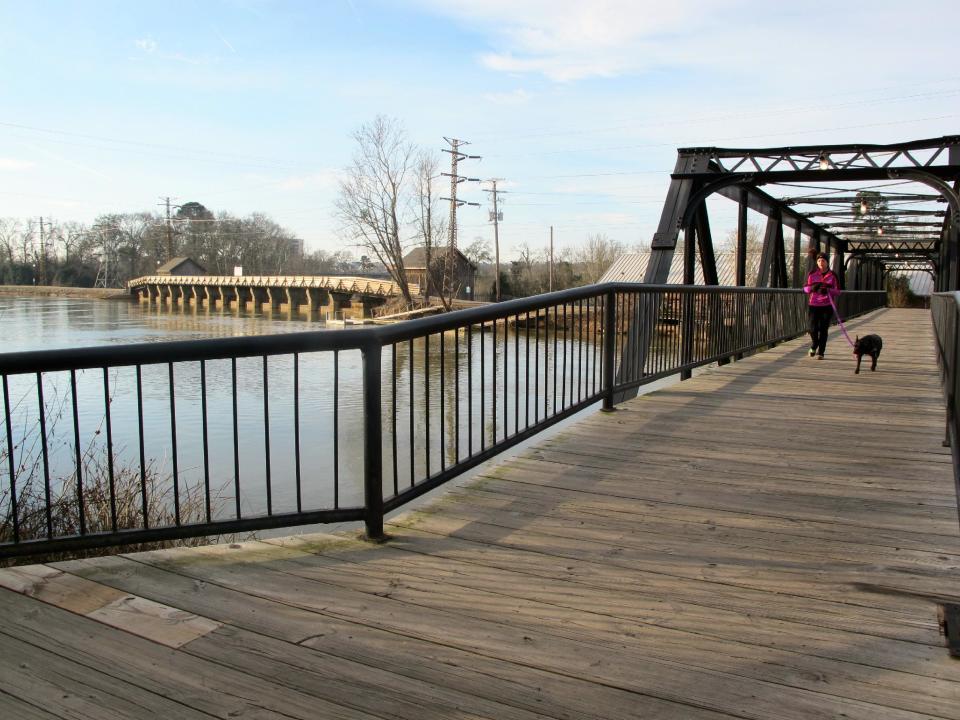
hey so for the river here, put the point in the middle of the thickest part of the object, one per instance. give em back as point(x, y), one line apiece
point(330, 395)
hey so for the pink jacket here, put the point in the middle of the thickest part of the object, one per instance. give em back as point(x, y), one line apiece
point(821, 293)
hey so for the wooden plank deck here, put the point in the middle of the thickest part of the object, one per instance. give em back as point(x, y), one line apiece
point(767, 540)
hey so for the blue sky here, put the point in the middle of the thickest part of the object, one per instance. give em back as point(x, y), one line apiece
point(249, 105)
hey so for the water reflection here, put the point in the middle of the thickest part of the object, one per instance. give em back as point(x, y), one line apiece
point(445, 398)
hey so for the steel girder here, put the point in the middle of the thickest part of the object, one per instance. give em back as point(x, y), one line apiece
point(738, 173)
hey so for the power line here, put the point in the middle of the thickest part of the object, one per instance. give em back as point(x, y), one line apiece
point(147, 145)
point(703, 119)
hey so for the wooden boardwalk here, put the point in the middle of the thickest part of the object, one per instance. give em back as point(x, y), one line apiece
point(767, 540)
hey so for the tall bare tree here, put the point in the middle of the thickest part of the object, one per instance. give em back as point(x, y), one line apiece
point(596, 255)
point(430, 223)
point(754, 246)
point(373, 193)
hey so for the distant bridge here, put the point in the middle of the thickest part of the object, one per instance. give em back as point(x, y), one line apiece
point(327, 296)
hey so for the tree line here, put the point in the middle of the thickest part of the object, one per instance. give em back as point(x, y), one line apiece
point(119, 246)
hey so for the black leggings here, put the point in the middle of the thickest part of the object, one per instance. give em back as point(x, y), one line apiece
point(819, 323)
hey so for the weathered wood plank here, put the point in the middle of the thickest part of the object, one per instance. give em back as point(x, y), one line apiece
point(154, 676)
point(14, 707)
point(502, 681)
point(597, 660)
point(520, 599)
point(69, 688)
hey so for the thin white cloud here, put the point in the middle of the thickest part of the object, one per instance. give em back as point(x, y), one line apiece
point(223, 39)
point(323, 180)
point(569, 40)
point(147, 45)
point(516, 97)
point(14, 164)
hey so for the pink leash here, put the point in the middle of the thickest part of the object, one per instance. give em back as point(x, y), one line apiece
point(840, 320)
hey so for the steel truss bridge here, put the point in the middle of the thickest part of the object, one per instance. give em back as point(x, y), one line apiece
point(876, 209)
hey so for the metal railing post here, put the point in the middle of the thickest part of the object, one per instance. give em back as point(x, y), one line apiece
point(609, 347)
point(688, 303)
point(372, 442)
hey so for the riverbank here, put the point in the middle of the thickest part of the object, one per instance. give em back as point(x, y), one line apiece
point(62, 291)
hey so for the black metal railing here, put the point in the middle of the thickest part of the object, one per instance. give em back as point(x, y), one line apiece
point(945, 312)
point(143, 443)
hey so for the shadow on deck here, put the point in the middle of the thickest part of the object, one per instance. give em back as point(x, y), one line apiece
point(767, 540)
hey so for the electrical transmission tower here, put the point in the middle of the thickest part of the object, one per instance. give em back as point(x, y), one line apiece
point(108, 250)
point(166, 202)
point(456, 155)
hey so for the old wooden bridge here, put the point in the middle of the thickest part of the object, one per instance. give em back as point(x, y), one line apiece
point(774, 537)
point(308, 295)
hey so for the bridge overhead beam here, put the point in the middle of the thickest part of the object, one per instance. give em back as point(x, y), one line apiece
point(738, 174)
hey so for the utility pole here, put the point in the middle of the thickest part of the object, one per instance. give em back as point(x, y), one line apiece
point(551, 258)
point(42, 266)
point(496, 216)
point(455, 179)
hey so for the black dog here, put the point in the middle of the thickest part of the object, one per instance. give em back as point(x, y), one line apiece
point(867, 345)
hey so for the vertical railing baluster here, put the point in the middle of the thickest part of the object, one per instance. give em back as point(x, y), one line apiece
point(108, 418)
point(536, 367)
point(46, 459)
point(236, 437)
point(483, 373)
point(456, 395)
point(296, 429)
point(78, 453)
point(206, 444)
point(393, 419)
point(579, 350)
point(573, 352)
point(11, 462)
point(563, 378)
point(526, 369)
point(506, 377)
point(442, 396)
point(593, 329)
point(266, 435)
point(412, 431)
point(516, 373)
point(546, 363)
point(555, 328)
point(426, 403)
point(173, 445)
point(470, 390)
point(143, 456)
point(493, 394)
point(336, 429)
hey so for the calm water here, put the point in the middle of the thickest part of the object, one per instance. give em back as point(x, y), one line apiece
point(330, 397)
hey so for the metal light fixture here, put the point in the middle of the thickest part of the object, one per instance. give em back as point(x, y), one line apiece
point(824, 161)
